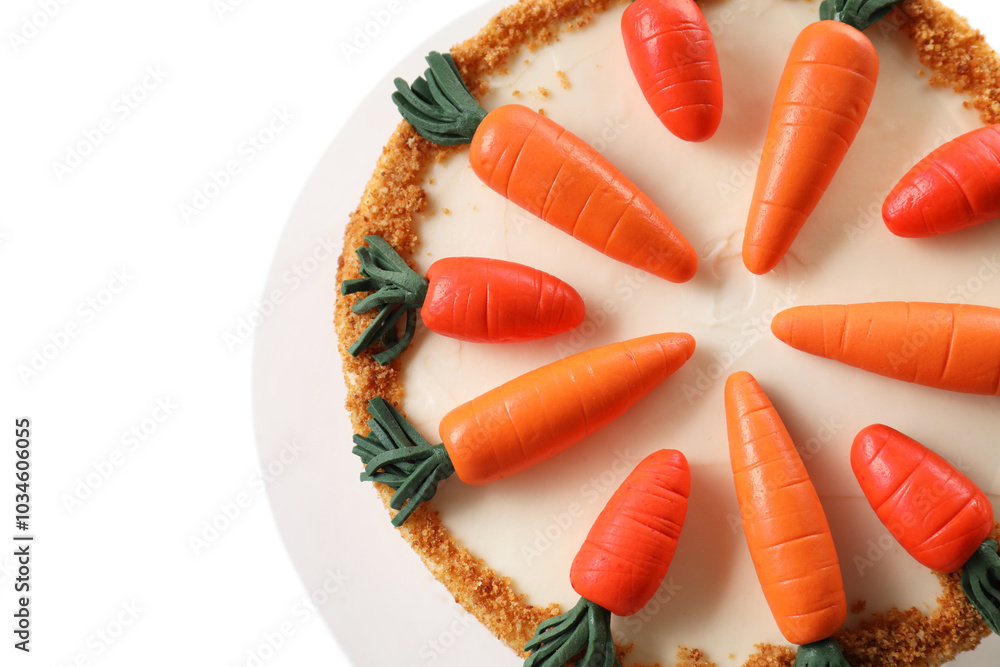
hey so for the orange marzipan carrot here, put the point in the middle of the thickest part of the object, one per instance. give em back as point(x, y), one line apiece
point(544, 411)
point(942, 345)
point(822, 99)
point(517, 424)
point(550, 172)
point(786, 529)
point(629, 548)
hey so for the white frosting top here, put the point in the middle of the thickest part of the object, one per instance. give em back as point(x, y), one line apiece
point(530, 526)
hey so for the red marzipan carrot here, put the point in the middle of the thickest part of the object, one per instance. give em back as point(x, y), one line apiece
point(469, 298)
point(621, 563)
point(540, 413)
point(629, 548)
point(535, 163)
point(942, 345)
point(935, 512)
point(956, 186)
point(823, 97)
point(492, 301)
point(672, 55)
point(520, 423)
point(786, 529)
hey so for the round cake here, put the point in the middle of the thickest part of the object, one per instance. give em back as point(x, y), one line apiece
point(504, 549)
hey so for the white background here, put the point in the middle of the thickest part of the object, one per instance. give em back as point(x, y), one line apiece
point(131, 266)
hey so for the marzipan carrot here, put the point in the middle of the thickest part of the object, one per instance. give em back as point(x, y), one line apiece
point(786, 529)
point(942, 345)
point(936, 513)
point(518, 424)
point(469, 298)
point(672, 54)
point(621, 563)
point(551, 173)
point(823, 97)
point(954, 187)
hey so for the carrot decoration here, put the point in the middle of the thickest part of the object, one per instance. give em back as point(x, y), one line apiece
point(935, 512)
point(621, 563)
point(518, 424)
point(672, 55)
point(551, 173)
point(786, 529)
point(943, 345)
point(469, 298)
point(822, 99)
point(956, 186)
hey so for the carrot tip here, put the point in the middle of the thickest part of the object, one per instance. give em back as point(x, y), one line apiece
point(694, 125)
point(760, 260)
point(781, 326)
point(869, 441)
point(688, 342)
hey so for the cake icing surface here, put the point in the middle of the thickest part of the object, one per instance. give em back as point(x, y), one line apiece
point(528, 527)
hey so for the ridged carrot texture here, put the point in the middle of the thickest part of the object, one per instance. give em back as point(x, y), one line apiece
point(535, 163)
point(942, 345)
point(470, 298)
point(956, 186)
point(518, 424)
point(786, 529)
point(936, 513)
point(672, 55)
point(621, 563)
point(822, 99)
